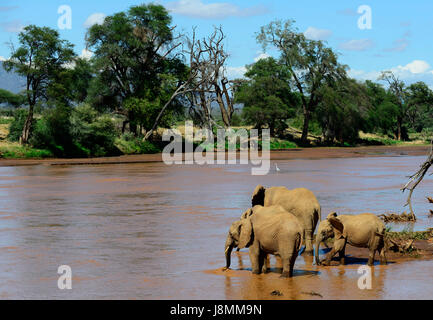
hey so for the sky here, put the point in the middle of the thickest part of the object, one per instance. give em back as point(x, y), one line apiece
point(369, 36)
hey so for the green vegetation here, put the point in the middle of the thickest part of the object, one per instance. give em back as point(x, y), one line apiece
point(17, 152)
point(410, 235)
point(143, 76)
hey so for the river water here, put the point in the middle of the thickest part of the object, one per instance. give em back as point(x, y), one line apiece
point(151, 231)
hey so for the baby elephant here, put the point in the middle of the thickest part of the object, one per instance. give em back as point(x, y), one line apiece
point(266, 230)
point(365, 230)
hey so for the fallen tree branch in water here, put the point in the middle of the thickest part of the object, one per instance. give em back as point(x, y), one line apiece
point(395, 217)
point(416, 179)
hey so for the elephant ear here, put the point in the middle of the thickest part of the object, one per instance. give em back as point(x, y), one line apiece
point(332, 215)
point(338, 228)
point(246, 234)
point(247, 213)
point(258, 197)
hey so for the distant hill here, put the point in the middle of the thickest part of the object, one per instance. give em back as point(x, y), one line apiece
point(11, 81)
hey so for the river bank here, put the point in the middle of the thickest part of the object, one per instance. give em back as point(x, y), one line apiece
point(298, 153)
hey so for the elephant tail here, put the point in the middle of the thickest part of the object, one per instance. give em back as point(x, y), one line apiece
point(300, 240)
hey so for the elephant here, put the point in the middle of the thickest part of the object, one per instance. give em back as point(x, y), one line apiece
point(266, 230)
point(364, 230)
point(300, 202)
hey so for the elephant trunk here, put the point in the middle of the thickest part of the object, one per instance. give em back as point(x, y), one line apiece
point(319, 239)
point(228, 250)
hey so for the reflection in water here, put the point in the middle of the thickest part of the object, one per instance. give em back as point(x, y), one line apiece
point(149, 231)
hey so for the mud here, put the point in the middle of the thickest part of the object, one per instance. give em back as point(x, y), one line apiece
point(151, 231)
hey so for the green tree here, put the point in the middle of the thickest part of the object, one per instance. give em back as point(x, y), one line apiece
point(419, 112)
point(342, 109)
point(39, 58)
point(382, 112)
point(309, 62)
point(397, 89)
point(133, 52)
point(267, 99)
point(12, 99)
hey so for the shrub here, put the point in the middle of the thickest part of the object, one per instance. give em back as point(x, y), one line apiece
point(128, 144)
point(94, 134)
point(52, 132)
point(17, 124)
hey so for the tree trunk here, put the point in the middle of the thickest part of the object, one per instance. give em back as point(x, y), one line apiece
point(24, 139)
point(399, 128)
point(304, 137)
point(178, 91)
point(224, 114)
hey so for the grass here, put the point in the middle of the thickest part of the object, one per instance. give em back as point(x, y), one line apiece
point(410, 235)
point(16, 151)
point(13, 150)
point(376, 139)
point(131, 145)
point(277, 144)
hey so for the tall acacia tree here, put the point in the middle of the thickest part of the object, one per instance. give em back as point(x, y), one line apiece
point(41, 56)
point(397, 89)
point(266, 97)
point(133, 52)
point(310, 63)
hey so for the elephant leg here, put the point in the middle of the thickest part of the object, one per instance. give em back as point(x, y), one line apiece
point(329, 257)
point(342, 256)
point(382, 255)
point(255, 259)
point(339, 245)
point(288, 263)
point(264, 262)
point(371, 257)
point(308, 236)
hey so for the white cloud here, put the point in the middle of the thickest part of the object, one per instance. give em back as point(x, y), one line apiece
point(415, 67)
point(401, 44)
point(364, 75)
point(14, 26)
point(235, 72)
point(86, 54)
point(96, 18)
point(2, 58)
point(417, 70)
point(357, 45)
point(217, 10)
point(261, 56)
point(317, 34)
point(347, 12)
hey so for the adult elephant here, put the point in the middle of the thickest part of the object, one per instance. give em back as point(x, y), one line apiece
point(300, 202)
point(267, 230)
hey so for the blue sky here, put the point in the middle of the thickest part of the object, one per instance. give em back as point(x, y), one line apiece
point(399, 39)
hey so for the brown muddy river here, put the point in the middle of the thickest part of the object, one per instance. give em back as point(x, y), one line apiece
point(148, 231)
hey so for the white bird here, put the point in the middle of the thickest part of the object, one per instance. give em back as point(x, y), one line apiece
point(276, 168)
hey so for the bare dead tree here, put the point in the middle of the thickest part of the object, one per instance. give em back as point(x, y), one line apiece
point(206, 82)
point(193, 81)
point(214, 71)
point(415, 180)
